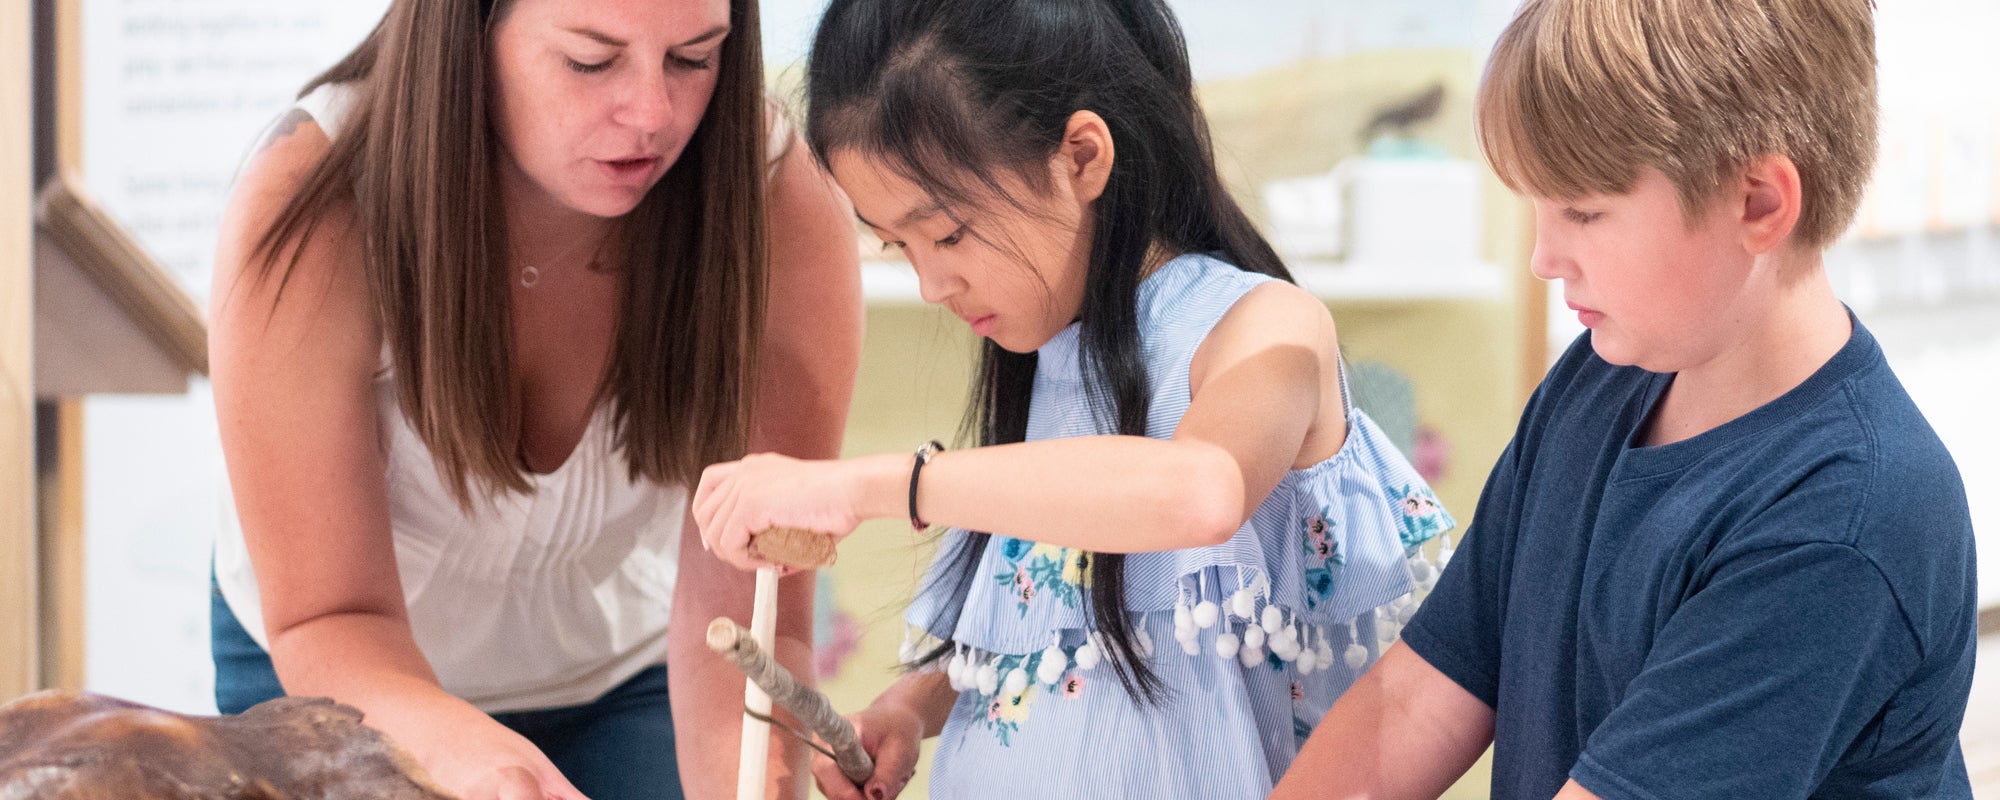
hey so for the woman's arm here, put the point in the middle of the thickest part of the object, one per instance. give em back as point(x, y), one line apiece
point(295, 407)
point(1263, 402)
point(811, 349)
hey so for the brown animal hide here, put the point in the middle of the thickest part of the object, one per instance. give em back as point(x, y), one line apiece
point(69, 746)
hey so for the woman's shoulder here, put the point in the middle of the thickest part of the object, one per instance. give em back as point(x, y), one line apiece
point(279, 168)
point(299, 137)
point(294, 143)
point(285, 152)
point(314, 270)
point(329, 105)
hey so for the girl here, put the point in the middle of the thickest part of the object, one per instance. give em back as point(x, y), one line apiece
point(487, 300)
point(1167, 452)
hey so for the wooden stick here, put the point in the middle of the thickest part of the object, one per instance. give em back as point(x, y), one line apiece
point(756, 758)
point(812, 708)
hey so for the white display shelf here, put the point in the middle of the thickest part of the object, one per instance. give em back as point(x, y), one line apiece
point(1341, 281)
point(889, 283)
point(893, 282)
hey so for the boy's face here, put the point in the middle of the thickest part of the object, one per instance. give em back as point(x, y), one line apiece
point(1657, 289)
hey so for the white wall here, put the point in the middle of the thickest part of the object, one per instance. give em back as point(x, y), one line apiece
point(174, 93)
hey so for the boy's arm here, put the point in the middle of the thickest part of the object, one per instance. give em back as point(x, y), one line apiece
point(1760, 681)
point(1404, 730)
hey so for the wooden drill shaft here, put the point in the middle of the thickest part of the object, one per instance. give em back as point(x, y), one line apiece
point(734, 642)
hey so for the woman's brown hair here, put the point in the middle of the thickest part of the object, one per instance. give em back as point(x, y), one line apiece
point(417, 162)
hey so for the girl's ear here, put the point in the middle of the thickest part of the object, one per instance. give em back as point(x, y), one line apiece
point(1084, 160)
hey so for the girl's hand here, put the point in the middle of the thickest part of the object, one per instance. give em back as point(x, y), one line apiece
point(891, 734)
point(741, 499)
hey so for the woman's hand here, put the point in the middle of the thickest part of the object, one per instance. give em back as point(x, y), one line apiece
point(474, 757)
point(741, 499)
point(891, 733)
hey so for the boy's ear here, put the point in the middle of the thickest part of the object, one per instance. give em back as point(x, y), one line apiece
point(1086, 155)
point(1771, 200)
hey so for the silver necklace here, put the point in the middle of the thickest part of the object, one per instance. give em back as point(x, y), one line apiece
point(531, 275)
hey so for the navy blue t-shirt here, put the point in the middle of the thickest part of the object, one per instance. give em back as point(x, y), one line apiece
point(1781, 607)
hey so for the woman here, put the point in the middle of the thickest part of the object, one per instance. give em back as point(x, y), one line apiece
point(487, 302)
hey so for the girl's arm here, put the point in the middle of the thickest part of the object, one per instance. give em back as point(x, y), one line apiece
point(892, 730)
point(927, 695)
point(295, 406)
point(810, 351)
point(1264, 401)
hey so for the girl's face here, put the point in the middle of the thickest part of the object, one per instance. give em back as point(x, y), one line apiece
point(1014, 271)
point(593, 100)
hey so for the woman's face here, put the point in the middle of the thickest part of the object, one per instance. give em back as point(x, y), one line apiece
point(594, 99)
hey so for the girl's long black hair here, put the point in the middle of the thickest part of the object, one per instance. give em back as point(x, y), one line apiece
point(949, 92)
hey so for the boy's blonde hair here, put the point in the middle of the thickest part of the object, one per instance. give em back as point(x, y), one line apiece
point(1581, 95)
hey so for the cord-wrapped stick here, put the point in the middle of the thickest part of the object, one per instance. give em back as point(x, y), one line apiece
point(733, 642)
point(794, 547)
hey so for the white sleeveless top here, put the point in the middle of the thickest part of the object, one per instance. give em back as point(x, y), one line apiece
point(537, 600)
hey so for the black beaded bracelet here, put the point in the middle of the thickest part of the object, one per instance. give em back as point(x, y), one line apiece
point(924, 454)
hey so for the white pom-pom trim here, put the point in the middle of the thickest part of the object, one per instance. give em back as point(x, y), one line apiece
point(1053, 665)
point(1356, 656)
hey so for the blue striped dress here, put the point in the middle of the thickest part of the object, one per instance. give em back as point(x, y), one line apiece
point(1253, 638)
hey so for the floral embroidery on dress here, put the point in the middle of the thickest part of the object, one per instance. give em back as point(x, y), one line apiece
point(1031, 569)
point(1423, 518)
point(1321, 546)
point(1076, 567)
point(1005, 710)
point(1005, 713)
point(1323, 553)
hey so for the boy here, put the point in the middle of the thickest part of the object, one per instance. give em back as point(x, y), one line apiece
point(1724, 555)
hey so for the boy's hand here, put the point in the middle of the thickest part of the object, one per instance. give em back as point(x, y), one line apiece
point(891, 734)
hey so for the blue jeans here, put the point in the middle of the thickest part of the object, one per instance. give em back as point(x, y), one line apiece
point(617, 747)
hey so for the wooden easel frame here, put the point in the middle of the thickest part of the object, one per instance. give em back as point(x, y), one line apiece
point(45, 212)
point(19, 647)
